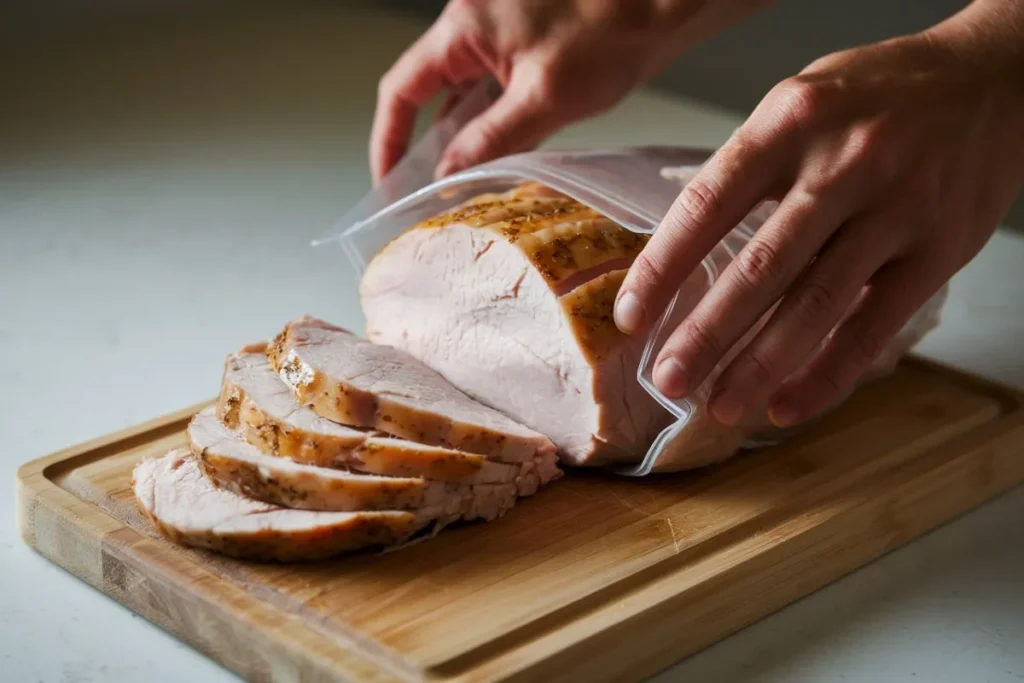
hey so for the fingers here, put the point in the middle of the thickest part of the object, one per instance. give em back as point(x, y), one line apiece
point(451, 100)
point(710, 205)
point(809, 311)
point(432, 63)
point(891, 298)
point(518, 120)
point(410, 84)
point(750, 285)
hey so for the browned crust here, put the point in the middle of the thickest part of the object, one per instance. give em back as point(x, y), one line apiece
point(301, 492)
point(561, 237)
point(319, 543)
point(274, 437)
point(589, 310)
point(442, 465)
point(278, 348)
point(567, 251)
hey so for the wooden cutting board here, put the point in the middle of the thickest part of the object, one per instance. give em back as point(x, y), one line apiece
point(596, 578)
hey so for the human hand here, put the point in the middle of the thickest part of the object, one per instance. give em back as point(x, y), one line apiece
point(893, 164)
point(557, 61)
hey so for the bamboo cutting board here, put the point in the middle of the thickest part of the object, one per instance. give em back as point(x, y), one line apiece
point(596, 578)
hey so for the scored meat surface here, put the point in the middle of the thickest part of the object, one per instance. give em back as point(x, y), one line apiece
point(186, 506)
point(237, 465)
point(510, 298)
point(264, 409)
point(347, 379)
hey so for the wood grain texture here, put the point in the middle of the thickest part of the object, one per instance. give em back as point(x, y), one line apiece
point(596, 578)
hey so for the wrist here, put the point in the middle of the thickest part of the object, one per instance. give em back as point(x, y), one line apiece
point(989, 36)
point(690, 22)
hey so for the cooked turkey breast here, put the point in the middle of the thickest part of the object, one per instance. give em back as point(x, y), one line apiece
point(510, 298)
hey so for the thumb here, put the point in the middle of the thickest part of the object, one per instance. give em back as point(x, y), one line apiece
point(517, 121)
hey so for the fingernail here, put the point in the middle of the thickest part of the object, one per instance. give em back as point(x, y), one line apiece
point(670, 378)
point(783, 412)
point(629, 314)
point(726, 408)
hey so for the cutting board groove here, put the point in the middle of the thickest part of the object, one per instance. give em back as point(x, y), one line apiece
point(596, 578)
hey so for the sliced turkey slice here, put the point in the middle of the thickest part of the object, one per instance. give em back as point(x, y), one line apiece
point(237, 465)
point(349, 380)
point(254, 400)
point(187, 508)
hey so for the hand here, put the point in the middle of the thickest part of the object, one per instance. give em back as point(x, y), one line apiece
point(893, 165)
point(558, 61)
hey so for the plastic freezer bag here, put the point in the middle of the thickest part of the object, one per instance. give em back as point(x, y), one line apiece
point(635, 188)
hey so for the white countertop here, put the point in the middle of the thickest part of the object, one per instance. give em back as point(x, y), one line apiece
point(158, 188)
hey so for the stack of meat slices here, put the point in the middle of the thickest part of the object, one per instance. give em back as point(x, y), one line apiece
point(323, 442)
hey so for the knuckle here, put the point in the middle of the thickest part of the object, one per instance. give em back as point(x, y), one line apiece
point(866, 150)
point(898, 228)
point(743, 147)
point(800, 101)
point(646, 271)
point(865, 345)
point(862, 143)
point(819, 183)
point(701, 198)
point(699, 337)
point(830, 388)
point(861, 156)
point(544, 89)
point(815, 302)
point(739, 153)
point(487, 137)
point(758, 265)
point(754, 370)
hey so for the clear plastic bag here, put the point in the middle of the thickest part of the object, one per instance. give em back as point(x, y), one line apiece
point(633, 187)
